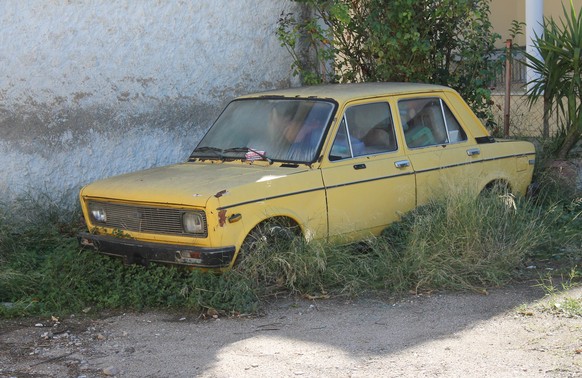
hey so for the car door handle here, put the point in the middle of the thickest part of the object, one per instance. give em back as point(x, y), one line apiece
point(359, 166)
point(402, 164)
point(473, 151)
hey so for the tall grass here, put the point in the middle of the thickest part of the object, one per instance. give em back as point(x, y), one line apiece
point(43, 271)
point(460, 242)
point(456, 242)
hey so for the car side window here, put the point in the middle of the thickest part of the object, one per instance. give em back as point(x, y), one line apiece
point(364, 130)
point(454, 129)
point(427, 122)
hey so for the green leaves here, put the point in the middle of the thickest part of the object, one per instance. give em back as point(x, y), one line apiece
point(559, 68)
point(446, 42)
point(340, 12)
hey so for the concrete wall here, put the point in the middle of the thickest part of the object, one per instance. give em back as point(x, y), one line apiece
point(505, 11)
point(93, 88)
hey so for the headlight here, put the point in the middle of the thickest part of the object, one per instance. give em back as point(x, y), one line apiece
point(193, 223)
point(98, 214)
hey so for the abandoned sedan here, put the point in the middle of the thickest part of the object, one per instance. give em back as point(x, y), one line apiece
point(334, 162)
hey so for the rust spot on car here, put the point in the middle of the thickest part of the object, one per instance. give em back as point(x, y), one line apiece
point(221, 218)
point(220, 194)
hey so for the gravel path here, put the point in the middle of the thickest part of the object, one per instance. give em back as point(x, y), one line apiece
point(506, 333)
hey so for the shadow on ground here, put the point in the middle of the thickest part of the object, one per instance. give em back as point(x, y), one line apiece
point(366, 336)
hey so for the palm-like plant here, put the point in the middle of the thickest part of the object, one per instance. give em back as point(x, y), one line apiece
point(560, 68)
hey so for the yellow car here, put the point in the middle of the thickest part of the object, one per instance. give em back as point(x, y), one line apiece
point(333, 162)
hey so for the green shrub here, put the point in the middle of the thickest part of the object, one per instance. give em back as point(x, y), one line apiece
point(448, 42)
point(559, 75)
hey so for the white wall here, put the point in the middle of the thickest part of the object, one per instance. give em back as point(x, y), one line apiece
point(92, 88)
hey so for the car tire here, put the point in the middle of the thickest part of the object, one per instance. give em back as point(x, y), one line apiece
point(496, 188)
point(276, 234)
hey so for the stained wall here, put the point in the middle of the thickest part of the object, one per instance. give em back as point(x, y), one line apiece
point(93, 88)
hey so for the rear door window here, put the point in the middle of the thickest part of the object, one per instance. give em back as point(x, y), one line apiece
point(429, 122)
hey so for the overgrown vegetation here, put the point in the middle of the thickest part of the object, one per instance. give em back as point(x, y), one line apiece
point(559, 80)
point(43, 271)
point(457, 243)
point(559, 303)
point(454, 243)
point(446, 42)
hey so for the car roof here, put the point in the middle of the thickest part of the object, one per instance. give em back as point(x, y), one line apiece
point(346, 92)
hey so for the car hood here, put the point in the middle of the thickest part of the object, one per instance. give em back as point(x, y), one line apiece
point(186, 183)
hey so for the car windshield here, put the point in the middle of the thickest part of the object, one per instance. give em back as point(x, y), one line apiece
point(271, 129)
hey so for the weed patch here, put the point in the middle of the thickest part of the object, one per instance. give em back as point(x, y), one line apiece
point(44, 272)
point(457, 242)
point(454, 243)
point(560, 303)
point(460, 242)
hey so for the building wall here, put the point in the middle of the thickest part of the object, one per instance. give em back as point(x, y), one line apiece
point(505, 11)
point(93, 88)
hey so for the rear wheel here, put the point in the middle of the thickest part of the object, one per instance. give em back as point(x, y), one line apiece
point(496, 188)
point(502, 191)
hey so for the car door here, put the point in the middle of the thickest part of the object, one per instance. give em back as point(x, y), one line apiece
point(439, 150)
point(368, 180)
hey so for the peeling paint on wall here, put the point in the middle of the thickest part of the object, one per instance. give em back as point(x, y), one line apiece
point(90, 89)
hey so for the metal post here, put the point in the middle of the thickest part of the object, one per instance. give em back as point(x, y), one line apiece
point(506, 111)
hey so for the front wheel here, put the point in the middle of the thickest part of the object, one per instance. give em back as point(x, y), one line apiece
point(273, 235)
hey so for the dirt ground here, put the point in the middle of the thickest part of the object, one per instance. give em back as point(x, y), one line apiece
point(506, 333)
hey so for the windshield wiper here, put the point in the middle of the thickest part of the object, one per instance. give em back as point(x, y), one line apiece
point(215, 151)
point(248, 149)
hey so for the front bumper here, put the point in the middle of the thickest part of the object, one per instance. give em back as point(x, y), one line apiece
point(138, 252)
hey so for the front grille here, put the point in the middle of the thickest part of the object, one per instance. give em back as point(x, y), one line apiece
point(157, 220)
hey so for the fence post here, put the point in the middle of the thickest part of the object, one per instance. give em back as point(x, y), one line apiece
point(506, 111)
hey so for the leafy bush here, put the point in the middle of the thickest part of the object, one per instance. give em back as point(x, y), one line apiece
point(559, 80)
point(445, 42)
